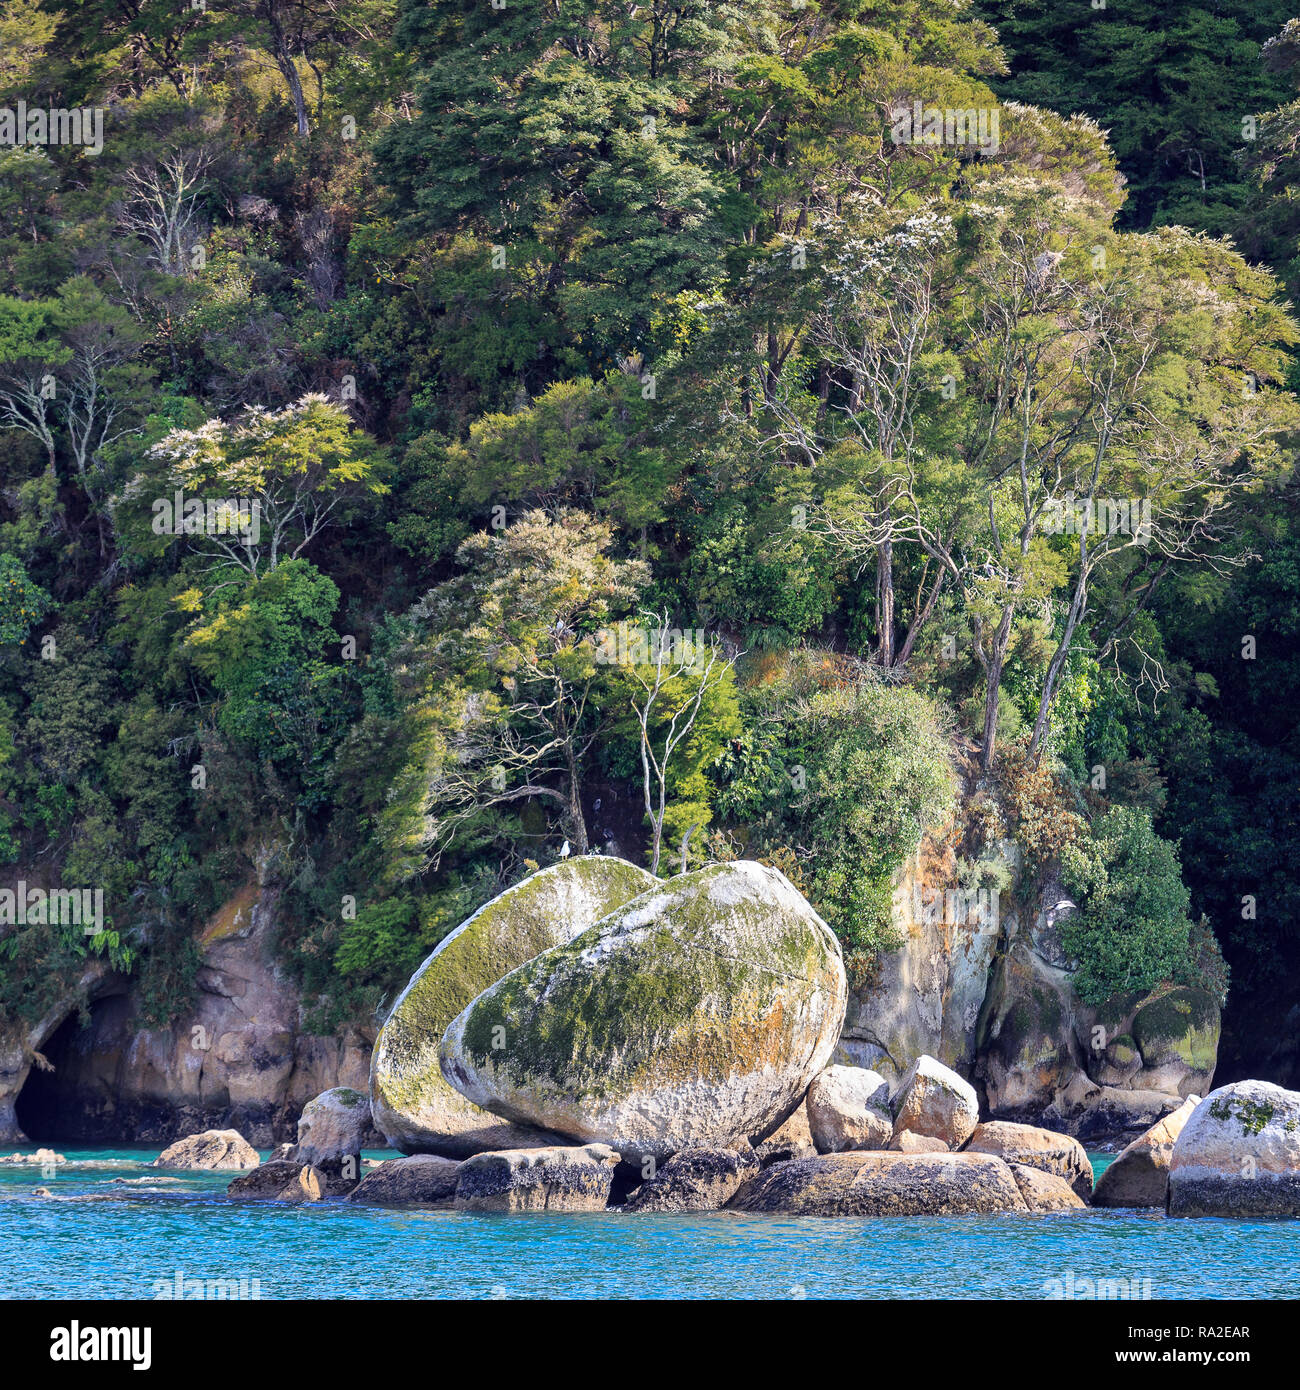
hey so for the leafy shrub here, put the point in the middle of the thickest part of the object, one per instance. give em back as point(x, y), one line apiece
point(1131, 930)
point(851, 775)
point(1041, 807)
point(1205, 967)
point(22, 603)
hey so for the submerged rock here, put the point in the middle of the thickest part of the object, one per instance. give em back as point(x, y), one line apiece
point(280, 1181)
point(213, 1149)
point(420, 1179)
point(859, 1183)
point(932, 1099)
point(696, 1180)
point(693, 1017)
point(551, 1179)
point(1036, 1148)
point(1139, 1176)
point(1238, 1154)
point(848, 1108)
point(413, 1106)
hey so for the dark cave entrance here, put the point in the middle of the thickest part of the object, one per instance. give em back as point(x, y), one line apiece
point(46, 1106)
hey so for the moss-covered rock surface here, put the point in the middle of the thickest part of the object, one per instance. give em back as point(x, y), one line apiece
point(1238, 1154)
point(413, 1106)
point(692, 1017)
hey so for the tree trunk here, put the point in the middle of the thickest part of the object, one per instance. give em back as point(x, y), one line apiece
point(919, 621)
point(885, 604)
point(577, 823)
point(1054, 668)
point(286, 66)
point(996, 661)
point(284, 61)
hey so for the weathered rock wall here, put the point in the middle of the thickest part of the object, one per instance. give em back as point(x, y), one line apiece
point(241, 1059)
point(984, 985)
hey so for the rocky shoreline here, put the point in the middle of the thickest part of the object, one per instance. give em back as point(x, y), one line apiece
point(1233, 1154)
point(596, 1039)
point(992, 999)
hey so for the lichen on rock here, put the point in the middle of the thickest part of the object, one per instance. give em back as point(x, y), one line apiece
point(694, 1016)
point(413, 1106)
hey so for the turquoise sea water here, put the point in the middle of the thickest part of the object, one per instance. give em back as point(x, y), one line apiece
point(100, 1239)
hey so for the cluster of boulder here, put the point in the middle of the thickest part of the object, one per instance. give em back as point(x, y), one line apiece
point(597, 1038)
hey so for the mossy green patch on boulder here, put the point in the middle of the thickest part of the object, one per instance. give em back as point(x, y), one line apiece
point(412, 1104)
point(1180, 1026)
point(694, 1016)
point(1030, 1035)
point(1238, 1154)
point(1123, 1050)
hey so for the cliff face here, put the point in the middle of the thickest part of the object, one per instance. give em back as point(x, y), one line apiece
point(982, 983)
point(929, 992)
point(240, 1060)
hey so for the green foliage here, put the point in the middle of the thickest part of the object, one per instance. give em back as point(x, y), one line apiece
point(22, 603)
point(690, 787)
point(387, 940)
point(1171, 87)
point(608, 307)
point(854, 774)
point(265, 653)
point(1131, 931)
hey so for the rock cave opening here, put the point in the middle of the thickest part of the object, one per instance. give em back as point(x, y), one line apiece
point(46, 1107)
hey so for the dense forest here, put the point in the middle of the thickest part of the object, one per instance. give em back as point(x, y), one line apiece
point(439, 435)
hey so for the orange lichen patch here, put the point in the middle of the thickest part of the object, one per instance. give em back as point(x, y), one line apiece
point(231, 917)
point(765, 667)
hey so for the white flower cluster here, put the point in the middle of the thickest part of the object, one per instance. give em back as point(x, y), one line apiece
point(881, 259)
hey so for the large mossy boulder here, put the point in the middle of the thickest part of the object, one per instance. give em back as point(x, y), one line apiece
point(413, 1107)
point(1238, 1154)
point(1177, 1034)
point(693, 1017)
